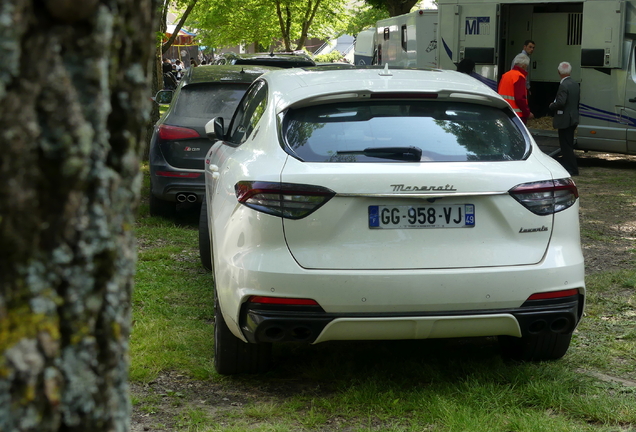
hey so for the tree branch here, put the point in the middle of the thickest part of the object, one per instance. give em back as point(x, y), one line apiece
point(166, 46)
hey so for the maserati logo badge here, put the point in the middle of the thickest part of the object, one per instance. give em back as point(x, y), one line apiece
point(404, 188)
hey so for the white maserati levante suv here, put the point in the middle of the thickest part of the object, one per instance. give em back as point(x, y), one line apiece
point(378, 204)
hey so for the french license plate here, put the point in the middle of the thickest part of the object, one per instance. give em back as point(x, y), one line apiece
point(428, 216)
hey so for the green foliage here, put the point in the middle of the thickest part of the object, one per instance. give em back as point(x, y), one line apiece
point(363, 17)
point(172, 300)
point(226, 23)
point(393, 7)
point(333, 56)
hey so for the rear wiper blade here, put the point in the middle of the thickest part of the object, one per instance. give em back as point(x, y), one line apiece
point(395, 153)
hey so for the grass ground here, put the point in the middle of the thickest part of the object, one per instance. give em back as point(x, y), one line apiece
point(434, 385)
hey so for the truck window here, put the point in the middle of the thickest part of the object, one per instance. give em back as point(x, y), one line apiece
point(404, 37)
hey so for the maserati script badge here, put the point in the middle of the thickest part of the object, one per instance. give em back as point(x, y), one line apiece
point(404, 188)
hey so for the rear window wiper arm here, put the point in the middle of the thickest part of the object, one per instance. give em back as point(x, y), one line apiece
point(394, 153)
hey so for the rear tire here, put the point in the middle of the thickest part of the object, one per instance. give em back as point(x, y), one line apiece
point(205, 246)
point(159, 207)
point(547, 346)
point(232, 355)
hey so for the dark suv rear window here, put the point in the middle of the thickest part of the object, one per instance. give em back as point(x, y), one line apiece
point(209, 100)
point(381, 131)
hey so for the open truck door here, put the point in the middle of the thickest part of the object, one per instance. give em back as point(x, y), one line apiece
point(606, 109)
point(469, 31)
point(628, 114)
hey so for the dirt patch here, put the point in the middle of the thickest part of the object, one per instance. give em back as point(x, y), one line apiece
point(544, 123)
point(608, 210)
point(608, 227)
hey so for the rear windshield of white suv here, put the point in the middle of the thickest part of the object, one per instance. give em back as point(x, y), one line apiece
point(382, 131)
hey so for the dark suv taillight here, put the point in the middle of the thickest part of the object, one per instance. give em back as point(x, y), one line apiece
point(172, 133)
point(546, 197)
point(287, 200)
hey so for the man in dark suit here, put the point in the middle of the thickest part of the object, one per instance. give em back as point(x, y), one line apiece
point(566, 116)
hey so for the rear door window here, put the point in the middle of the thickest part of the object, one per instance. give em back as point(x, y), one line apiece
point(382, 131)
point(248, 113)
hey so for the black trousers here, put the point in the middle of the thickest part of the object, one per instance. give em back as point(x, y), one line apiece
point(566, 141)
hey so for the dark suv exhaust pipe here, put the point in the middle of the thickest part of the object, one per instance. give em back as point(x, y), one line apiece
point(186, 197)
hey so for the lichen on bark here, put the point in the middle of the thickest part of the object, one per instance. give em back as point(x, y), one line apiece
point(74, 105)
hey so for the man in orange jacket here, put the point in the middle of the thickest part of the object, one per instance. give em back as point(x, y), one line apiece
point(512, 87)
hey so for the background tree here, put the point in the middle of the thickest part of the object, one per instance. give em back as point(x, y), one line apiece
point(163, 46)
point(393, 7)
point(362, 17)
point(267, 23)
point(181, 5)
point(74, 93)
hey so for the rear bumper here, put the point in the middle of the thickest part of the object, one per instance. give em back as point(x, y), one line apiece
point(364, 302)
point(168, 188)
point(176, 186)
point(310, 324)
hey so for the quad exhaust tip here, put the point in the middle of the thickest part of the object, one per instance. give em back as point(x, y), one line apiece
point(558, 325)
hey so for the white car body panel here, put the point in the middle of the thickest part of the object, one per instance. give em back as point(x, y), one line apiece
point(301, 85)
point(261, 266)
point(338, 236)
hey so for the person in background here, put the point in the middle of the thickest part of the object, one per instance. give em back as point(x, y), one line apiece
point(203, 62)
point(528, 49)
point(512, 87)
point(166, 67)
point(566, 116)
point(179, 69)
point(169, 81)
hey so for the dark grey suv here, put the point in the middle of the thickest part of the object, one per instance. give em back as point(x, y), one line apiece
point(179, 142)
point(281, 59)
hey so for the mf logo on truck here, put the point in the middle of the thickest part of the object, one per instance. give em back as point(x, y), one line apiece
point(478, 25)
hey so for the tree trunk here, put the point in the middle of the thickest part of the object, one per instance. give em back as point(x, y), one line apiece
point(285, 24)
point(74, 103)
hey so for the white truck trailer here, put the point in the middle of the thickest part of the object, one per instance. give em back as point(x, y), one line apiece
point(408, 40)
point(364, 48)
point(597, 37)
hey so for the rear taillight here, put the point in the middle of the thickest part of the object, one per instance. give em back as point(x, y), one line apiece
point(546, 197)
point(175, 133)
point(287, 200)
point(554, 294)
point(283, 301)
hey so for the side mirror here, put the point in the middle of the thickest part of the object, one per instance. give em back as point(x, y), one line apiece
point(164, 97)
point(215, 128)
